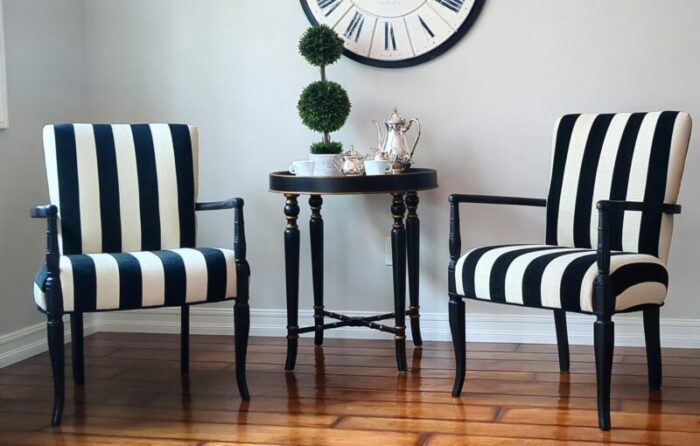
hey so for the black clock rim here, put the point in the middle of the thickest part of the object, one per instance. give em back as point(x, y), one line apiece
point(430, 55)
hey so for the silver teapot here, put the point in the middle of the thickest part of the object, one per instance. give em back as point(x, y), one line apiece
point(394, 146)
point(352, 163)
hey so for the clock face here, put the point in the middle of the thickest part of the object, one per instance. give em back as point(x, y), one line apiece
point(395, 33)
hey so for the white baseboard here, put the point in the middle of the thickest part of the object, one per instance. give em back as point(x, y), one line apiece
point(30, 341)
point(526, 328)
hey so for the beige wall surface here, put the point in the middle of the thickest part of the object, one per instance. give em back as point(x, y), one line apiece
point(45, 47)
point(232, 68)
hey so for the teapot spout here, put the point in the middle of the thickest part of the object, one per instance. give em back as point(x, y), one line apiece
point(380, 138)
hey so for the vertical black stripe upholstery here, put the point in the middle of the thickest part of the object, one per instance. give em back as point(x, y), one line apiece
point(182, 145)
point(500, 269)
point(656, 182)
point(109, 188)
point(130, 281)
point(175, 278)
point(69, 190)
point(618, 187)
point(561, 145)
point(216, 270)
point(148, 187)
point(84, 283)
point(587, 178)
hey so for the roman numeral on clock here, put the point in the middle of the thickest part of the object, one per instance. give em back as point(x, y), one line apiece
point(453, 5)
point(389, 39)
point(328, 6)
point(426, 28)
point(355, 27)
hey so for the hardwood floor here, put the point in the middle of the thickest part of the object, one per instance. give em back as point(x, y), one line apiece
point(346, 393)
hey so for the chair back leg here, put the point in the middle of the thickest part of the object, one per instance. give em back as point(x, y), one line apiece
point(562, 339)
point(76, 330)
point(652, 337)
point(241, 325)
point(184, 339)
point(56, 352)
point(603, 339)
point(459, 342)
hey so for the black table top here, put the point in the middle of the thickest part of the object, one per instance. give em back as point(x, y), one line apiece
point(413, 180)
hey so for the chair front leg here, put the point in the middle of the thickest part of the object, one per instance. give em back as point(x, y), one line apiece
point(184, 339)
point(457, 328)
point(54, 327)
point(562, 339)
point(603, 327)
point(241, 324)
point(653, 343)
point(76, 327)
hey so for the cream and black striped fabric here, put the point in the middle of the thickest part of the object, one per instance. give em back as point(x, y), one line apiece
point(557, 277)
point(122, 187)
point(624, 156)
point(122, 281)
point(126, 199)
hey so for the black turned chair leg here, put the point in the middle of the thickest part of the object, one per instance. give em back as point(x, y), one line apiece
point(56, 352)
point(316, 235)
point(76, 329)
point(184, 339)
point(413, 251)
point(652, 337)
point(459, 342)
point(291, 267)
point(562, 339)
point(604, 340)
point(398, 255)
point(241, 325)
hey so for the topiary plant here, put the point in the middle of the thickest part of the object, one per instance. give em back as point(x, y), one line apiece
point(323, 105)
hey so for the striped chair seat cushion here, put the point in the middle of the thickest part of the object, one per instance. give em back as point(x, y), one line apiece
point(557, 277)
point(121, 281)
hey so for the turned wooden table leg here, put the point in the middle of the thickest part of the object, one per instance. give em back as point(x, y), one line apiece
point(316, 235)
point(398, 255)
point(291, 269)
point(413, 254)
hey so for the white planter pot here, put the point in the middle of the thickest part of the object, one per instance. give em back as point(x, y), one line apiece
point(325, 165)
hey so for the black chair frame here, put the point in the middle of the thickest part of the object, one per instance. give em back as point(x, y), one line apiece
point(603, 300)
point(54, 307)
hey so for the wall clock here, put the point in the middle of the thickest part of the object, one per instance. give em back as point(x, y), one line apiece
point(395, 33)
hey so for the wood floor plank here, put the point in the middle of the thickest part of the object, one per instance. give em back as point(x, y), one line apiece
point(232, 432)
point(589, 433)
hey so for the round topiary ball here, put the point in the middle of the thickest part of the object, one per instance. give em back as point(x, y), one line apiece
point(324, 106)
point(320, 45)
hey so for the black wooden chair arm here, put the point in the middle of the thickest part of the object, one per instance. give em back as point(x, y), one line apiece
point(44, 211)
point(239, 243)
point(495, 199)
point(231, 203)
point(622, 205)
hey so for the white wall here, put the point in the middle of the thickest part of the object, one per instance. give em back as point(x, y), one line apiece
point(487, 107)
point(44, 41)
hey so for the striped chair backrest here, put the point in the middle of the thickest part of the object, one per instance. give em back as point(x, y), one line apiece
point(623, 156)
point(122, 187)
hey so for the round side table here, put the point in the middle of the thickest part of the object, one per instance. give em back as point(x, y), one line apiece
point(405, 238)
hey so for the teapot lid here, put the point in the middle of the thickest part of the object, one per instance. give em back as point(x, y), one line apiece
point(394, 118)
point(352, 153)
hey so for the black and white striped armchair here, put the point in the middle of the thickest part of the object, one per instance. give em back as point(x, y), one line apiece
point(121, 236)
point(609, 218)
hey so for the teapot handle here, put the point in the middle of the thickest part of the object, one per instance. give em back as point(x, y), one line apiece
point(415, 143)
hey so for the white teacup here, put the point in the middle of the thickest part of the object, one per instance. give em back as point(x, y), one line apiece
point(376, 167)
point(302, 168)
